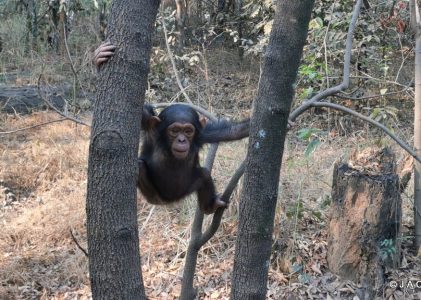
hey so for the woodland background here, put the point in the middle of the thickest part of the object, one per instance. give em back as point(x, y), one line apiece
point(46, 54)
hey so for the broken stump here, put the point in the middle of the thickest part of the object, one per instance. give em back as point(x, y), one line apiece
point(365, 218)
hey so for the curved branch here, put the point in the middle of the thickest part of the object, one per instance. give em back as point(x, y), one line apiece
point(371, 121)
point(216, 221)
point(347, 62)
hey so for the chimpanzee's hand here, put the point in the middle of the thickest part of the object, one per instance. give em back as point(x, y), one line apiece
point(103, 53)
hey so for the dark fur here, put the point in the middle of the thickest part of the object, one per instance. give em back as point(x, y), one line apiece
point(162, 177)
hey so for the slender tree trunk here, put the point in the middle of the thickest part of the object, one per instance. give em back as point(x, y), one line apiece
point(267, 135)
point(181, 19)
point(102, 19)
point(416, 27)
point(113, 241)
point(238, 10)
point(62, 27)
point(417, 142)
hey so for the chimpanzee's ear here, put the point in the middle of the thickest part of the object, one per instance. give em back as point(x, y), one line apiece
point(153, 121)
point(203, 121)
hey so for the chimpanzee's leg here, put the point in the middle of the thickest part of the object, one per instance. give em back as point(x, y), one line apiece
point(209, 201)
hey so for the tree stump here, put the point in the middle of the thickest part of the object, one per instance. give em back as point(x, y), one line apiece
point(365, 218)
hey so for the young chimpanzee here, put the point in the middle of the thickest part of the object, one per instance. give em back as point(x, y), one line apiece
point(169, 167)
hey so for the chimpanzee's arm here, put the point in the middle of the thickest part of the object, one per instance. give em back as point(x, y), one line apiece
point(223, 131)
point(147, 113)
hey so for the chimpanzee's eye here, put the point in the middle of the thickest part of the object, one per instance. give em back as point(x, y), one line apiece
point(189, 131)
point(174, 131)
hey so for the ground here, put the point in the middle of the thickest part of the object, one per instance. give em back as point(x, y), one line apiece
point(43, 179)
point(40, 261)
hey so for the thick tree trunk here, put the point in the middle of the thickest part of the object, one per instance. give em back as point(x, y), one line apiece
point(365, 219)
point(266, 146)
point(113, 241)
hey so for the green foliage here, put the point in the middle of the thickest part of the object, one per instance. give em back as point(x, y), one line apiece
point(387, 249)
point(387, 115)
point(311, 135)
point(295, 210)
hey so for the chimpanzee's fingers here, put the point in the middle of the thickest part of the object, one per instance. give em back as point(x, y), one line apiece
point(105, 54)
point(104, 48)
point(99, 61)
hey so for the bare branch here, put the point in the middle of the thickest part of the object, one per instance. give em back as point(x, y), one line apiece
point(371, 121)
point(173, 62)
point(55, 108)
point(370, 97)
point(34, 126)
point(72, 65)
point(346, 70)
point(77, 243)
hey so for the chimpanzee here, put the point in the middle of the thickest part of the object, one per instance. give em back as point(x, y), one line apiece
point(169, 167)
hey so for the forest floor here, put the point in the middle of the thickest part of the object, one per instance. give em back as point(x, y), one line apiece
point(43, 180)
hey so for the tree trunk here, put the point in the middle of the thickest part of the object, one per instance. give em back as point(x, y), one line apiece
point(416, 27)
point(31, 26)
point(62, 27)
point(266, 146)
point(113, 241)
point(181, 19)
point(365, 219)
point(238, 10)
point(102, 19)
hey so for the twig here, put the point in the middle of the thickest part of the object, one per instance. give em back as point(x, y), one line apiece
point(77, 244)
point(55, 108)
point(371, 121)
point(173, 62)
point(370, 97)
point(347, 62)
point(76, 78)
point(34, 126)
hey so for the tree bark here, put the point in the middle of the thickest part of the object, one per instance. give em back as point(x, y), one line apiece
point(113, 242)
point(181, 22)
point(364, 227)
point(416, 27)
point(266, 146)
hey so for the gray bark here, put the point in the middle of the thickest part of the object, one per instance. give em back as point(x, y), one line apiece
point(266, 146)
point(416, 27)
point(113, 241)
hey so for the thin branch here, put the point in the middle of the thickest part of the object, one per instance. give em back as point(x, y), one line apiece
point(347, 62)
point(55, 108)
point(216, 221)
point(77, 244)
point(76, 78)
point(371, 121)
point(31, 127)
point(173, 62)
point(370, 97)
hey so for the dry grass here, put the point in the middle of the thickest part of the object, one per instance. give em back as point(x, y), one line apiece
point(46, 169)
